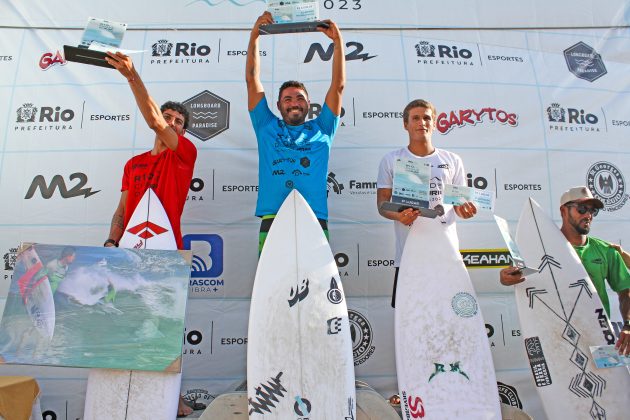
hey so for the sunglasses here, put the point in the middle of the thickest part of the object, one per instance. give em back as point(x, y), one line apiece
point(583, 208)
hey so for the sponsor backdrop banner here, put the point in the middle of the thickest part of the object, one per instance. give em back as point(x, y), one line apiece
point(531, 112)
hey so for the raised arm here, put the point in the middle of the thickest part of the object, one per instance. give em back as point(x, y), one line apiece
point(148, 107)
point(338, 81)
point(117, 227)
point(255, 90)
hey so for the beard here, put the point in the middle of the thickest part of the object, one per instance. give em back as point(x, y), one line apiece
point(294, 119)
point(582, 230)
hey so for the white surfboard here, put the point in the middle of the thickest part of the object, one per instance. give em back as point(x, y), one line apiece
point(561, 315)
point(37, 294)
point(443, 359)
point(132, 394)
point(299, 350)
point(149, 227)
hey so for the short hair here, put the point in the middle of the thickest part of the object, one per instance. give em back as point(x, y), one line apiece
point(418, 103)
point(177, 107)
point(68, 251)
point(292, 83)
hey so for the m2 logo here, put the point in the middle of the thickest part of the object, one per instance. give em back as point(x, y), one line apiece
point(355, 52)
point(47, 191)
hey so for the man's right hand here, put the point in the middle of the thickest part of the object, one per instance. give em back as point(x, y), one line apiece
point(511, 276)
point(407, 216)
point(264, 19)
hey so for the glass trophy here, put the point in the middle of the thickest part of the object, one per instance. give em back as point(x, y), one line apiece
point(411, 188)
point(292, 16)
point(99, 36)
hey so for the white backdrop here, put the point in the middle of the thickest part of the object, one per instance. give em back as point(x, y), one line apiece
point(503, 91)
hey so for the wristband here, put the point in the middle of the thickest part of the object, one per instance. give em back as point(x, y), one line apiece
point(626, 323)
point(111, 241)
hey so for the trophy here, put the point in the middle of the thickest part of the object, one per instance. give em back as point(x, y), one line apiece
point(293, 16)
point(411, 188)
point(99, 37)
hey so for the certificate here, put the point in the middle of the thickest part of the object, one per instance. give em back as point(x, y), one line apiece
point(608, 357)
point(411, 182)
point(459, 194)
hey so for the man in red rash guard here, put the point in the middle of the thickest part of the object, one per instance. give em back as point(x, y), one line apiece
point(167, 168)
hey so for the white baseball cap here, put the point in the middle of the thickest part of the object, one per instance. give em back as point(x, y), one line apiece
point(580, 195)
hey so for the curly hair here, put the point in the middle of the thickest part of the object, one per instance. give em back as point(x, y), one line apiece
point(177, 107)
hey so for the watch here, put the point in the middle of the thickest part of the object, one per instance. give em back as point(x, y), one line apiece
point(626, 324)
point(111, 241)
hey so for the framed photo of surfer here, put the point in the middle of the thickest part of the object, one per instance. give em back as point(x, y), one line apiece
point(98, 307)
point(411, 188)
point(291, 16)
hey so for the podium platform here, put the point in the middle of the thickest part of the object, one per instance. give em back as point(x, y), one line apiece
point(233, 406)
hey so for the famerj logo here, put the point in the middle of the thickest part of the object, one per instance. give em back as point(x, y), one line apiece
point(355, 187)
point(165, 52)
point(207, 262)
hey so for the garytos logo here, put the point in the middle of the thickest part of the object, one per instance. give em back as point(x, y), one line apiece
point(49, 60)
point(31, 118)
point(209, 115)
point(165, 52)
point(607, 183)
point(571, 119)
point(439, 54)
point(584, 62)
point(463, 117)
point(355, 187)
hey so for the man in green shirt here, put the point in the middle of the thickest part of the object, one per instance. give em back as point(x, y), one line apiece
point(58, 267)
point(602, 261)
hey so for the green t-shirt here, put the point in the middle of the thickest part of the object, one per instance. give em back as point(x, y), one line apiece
point(56, 273)
point(603, 262)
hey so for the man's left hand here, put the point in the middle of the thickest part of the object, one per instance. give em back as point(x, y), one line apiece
point(623, 343)
point(466, 210)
